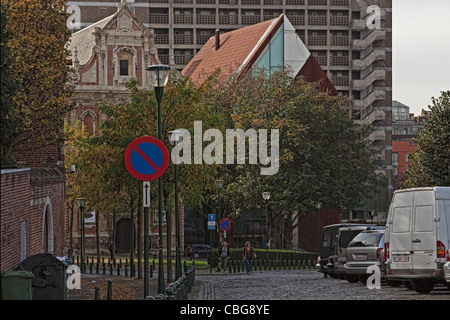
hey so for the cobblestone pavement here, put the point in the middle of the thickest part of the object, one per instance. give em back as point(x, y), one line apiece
point(306, 284)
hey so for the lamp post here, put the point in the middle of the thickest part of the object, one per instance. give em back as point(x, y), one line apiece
point(318, 206)
point(80, 202)
point(158, 78)
point(174, 138)
point(266, 197)
point(219, 185)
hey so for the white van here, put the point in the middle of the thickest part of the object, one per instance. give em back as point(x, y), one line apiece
point(417, 236)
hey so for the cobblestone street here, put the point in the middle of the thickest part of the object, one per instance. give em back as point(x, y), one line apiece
point(299, 285)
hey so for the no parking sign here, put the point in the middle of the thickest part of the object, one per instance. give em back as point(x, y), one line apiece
point(146, 158)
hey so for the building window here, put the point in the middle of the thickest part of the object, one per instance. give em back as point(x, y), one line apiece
point(125, 64)
point(123, 67)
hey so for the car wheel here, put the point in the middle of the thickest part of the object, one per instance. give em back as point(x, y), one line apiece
point(407, 284)
point(422, 286)
point(196, 255)
point(363, 279)
point(352, 278)
point(394, 283)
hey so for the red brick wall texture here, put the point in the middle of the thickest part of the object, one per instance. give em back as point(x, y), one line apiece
point(30, 198)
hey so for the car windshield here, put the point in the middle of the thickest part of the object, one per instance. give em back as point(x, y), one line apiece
point(366, 240)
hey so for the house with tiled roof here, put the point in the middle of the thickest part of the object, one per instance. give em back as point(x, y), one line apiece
point(268, 45)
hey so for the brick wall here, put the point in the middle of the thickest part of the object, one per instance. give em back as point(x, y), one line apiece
point(15, 208)
point(26, 194)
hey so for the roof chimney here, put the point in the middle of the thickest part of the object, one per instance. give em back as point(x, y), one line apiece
point(217, 39)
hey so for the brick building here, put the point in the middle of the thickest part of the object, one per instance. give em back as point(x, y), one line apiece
point(32, 205)
point(106, 53)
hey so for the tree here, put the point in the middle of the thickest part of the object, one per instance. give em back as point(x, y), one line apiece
point(324, 157)
point(128, 120)
point(36, 77)
point(430, 163)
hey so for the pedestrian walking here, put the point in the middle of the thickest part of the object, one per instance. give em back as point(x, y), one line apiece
point(224, 255)
point(248, 255)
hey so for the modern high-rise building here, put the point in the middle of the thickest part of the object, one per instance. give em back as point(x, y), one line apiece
point(351, 40)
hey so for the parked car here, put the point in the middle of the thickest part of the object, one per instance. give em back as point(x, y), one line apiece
point(197, 250)
point(417, 236)
point(447, 270)
point(365, 250)
point(325, 261)
point(344, 237)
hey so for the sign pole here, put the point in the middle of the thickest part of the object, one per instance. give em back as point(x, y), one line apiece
point(146, 201)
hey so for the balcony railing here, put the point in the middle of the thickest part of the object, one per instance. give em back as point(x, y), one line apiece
point(340, 80)
point(318, 41)
point(296, 20)
point(317, 2)
point(206, 1)
point(295, 2)
point(273, 2)
point(250, 1)
point(228, 19)
point(183, 39)
point(317, 20)
point(339, 3)
point(206, 19)
point(182, 59)
point(339, 41)
point(322, 60)
point(338, 61)
point(183, 18)
point(339, 20)
point(250, 19)
point(159, 18)
point(201, 38)
point(161, 38)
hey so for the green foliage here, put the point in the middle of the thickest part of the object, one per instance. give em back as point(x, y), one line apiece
point(36, 73)
point(430, 164)
point(324, 156)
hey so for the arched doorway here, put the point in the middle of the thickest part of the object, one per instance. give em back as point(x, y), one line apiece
point(48, 244)
point(123, 230)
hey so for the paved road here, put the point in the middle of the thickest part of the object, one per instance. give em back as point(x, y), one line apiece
point(305, 284)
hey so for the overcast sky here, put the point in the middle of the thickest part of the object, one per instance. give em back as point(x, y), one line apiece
point(421, 51)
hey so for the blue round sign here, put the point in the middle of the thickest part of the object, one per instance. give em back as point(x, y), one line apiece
point(224, 224)
point(146, 158)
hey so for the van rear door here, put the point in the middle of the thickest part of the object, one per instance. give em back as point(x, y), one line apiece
point(400, 233)
point(424, 232)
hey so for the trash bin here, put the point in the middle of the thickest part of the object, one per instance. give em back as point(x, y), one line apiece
point(49, 281)
point(16, 285)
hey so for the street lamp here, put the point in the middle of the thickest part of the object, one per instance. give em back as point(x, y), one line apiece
point(318, 206)
point(174, 138)
point(219, 185)
point(266, 197)
point(80, 203)
point(158, 76)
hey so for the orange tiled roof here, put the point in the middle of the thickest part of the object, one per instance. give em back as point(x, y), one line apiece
point(235, 46)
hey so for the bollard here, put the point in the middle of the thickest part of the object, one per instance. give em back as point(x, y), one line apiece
point(151, 271)
point(110, 269)
point(118, 270)
point(104, 268)
point(126, 270)
point(97, 293)
point(109, 294)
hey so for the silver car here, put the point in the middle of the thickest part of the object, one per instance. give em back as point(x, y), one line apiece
point(365, 250)
point(447, 272)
